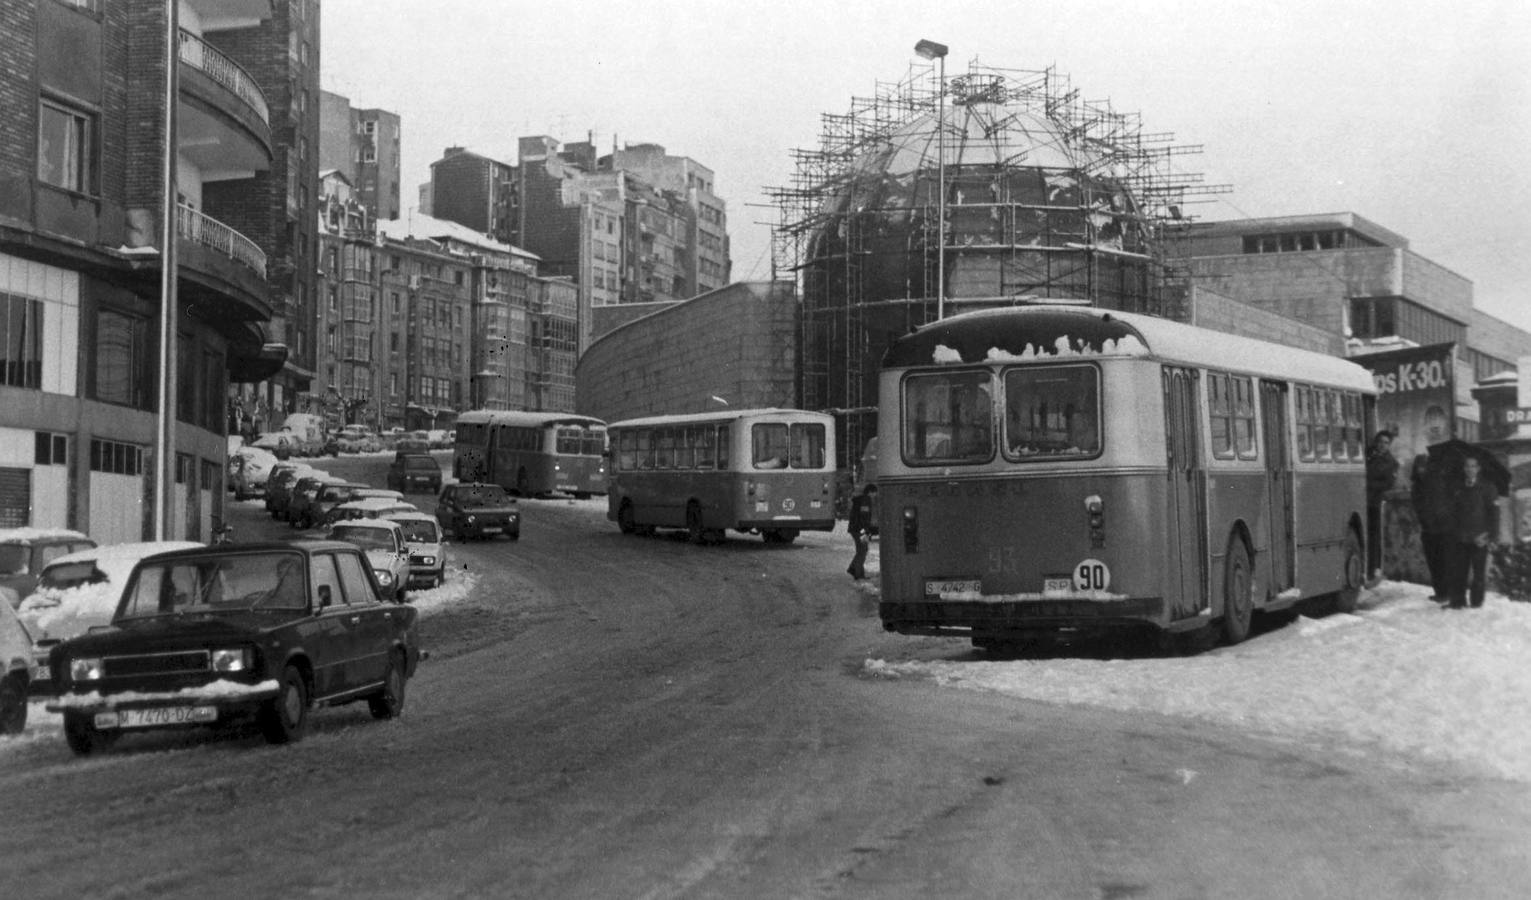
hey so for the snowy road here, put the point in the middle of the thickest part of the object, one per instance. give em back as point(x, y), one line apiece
point(610, 716)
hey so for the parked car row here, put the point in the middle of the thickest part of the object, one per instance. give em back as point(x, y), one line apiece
point(79, 615)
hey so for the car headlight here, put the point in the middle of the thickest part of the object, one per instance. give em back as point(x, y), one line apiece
point(427, 560)
point(240, 659)
point(384, 577)
point(86, 668)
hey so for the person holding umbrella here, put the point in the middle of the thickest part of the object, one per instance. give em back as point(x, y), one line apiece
point(1429, 489)
point(1474, 523)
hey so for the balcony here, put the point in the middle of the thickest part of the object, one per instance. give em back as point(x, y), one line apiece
point(214, 235)
point(224, 119)
point(205, 58)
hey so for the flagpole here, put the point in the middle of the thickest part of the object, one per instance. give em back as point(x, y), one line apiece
point(164, 436)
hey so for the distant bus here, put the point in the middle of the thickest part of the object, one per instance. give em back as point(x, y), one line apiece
point(531, 453)
point(767, 471)
point(1054, 470)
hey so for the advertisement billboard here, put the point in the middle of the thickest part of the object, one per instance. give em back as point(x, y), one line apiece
point(1416, 400)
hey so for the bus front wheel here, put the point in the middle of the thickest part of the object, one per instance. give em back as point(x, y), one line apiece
point(779, 535)
point(1238, 605)
point(1351, 576)
point(523, 484)
point(625, 518)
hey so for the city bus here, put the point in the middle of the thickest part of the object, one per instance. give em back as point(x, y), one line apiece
point(766, 471)
point(531, 453)
point(1053, 471)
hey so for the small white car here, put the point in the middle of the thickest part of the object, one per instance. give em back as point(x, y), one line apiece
point(427, 547)
point(80, 590)
point(383, 542)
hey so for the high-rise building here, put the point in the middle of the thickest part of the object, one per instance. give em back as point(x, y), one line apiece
point(365, 145)
point(634, 226)
point(83, 154)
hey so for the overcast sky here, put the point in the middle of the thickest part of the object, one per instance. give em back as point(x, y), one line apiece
point(1415, 115)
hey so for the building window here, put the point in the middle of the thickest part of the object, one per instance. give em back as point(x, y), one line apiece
point(121, 353)
point(52, 449)
point(116, 458)
point(21, 341)
point(64, 148)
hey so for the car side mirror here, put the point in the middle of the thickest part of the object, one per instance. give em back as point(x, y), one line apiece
point(325, 597)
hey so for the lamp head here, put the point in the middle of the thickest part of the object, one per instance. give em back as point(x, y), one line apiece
point(930, 50)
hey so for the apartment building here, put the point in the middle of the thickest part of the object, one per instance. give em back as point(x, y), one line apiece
point(365, 144)
point(83, 115)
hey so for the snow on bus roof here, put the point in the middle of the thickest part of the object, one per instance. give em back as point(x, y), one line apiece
point(722, 415)
point(524, 417)
point(1016, 334)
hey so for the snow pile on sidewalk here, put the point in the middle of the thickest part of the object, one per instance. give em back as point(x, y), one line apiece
point(1401, 673)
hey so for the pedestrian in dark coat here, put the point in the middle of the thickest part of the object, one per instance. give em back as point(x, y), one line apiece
point(1381, 473)
point(860, 526)
point(1431, 493)
point(1475, 521)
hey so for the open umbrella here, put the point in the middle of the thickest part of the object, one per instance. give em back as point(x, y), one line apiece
point(1452, 452)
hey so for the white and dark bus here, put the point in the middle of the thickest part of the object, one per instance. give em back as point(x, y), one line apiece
point(766, 471)
point(1049, 470)
point(531, 453)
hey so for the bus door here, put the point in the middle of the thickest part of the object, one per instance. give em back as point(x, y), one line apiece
point(1278, 483)
point(1186, 538)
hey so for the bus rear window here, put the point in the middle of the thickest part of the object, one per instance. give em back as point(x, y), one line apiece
point(1052, 412)
point(778, 445)
point(948, 418)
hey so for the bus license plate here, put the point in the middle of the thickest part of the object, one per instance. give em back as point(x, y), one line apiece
point(166, 715)
point(1058, 587)
point(937, 586)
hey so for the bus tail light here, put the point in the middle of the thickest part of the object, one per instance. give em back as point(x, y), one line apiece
point(1095, 512)
point(911, 530)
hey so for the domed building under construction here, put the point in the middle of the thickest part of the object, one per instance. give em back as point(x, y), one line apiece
point(1045, 198)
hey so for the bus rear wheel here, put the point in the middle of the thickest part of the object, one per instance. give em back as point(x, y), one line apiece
point(1238, 605)
point(523, 484)
point(1351, 575)
point(625, 518)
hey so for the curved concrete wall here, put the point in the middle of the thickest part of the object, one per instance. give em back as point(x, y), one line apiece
point(738, 343)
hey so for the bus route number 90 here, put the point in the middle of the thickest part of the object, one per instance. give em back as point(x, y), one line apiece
point(1091, 575)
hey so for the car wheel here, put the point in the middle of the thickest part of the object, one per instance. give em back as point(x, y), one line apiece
point(284, 718)
point(13, 704)
point(514, 535)
point(403, 595)
point(388, 702)
point(83, 737)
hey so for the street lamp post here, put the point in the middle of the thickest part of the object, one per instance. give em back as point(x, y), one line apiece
point(932, 50)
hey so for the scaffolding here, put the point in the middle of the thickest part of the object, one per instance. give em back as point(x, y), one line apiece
point(1047, 197)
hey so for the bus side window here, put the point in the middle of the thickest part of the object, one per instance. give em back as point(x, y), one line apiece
point(706, 457)
point(723, 448)
point(645, 449)
point(685, 447)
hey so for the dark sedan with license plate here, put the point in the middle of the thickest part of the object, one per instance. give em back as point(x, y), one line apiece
point(478, 511)
point(237, 632)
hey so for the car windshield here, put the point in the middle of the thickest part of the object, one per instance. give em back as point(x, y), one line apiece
point(482, 495)
point(272, 580)
point(428, 465)
point(365, 538)
point(420, 531)
point(337, 493)
point(13, 559)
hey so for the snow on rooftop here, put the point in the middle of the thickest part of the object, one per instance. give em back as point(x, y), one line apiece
point(419, 225)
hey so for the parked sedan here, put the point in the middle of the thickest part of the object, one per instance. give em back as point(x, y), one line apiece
point(237, 631)
point(427, 548)
point(387, 554)
point(25, 551)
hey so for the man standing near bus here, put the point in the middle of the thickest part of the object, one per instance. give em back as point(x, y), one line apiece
point(1381, 472)
point(1474, 524)
point(860, 526)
